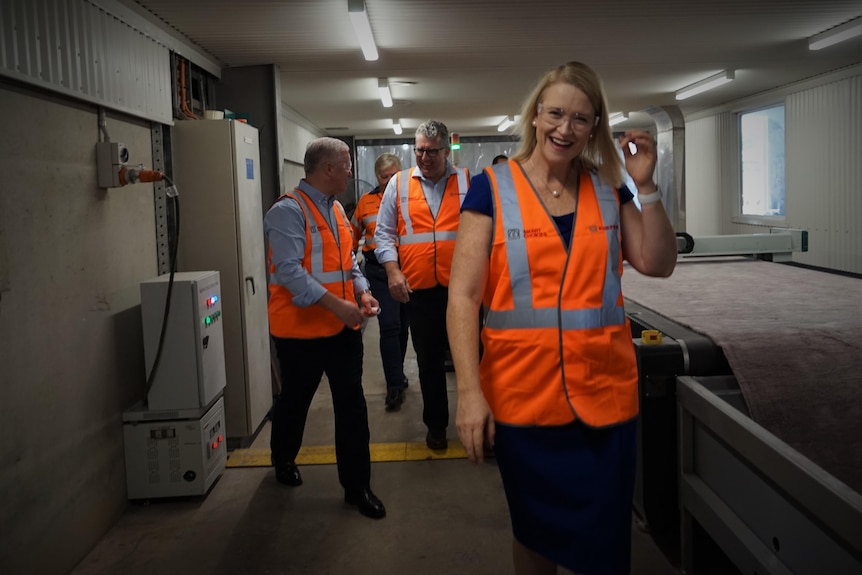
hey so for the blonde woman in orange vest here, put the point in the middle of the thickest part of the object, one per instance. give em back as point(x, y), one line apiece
point(314, 319)
point(541, 245)
point(392, 319)
point(415, 237)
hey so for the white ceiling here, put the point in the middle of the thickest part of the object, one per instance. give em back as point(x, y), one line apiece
point(469, 63)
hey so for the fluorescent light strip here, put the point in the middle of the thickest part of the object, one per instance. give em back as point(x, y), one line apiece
point(617, 118)
point(385, 94)
point(832, 36)
point(396, 127)
point(714, 81)
point(362, 27)
point(505, 124)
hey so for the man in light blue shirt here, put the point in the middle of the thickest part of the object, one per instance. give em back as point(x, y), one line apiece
point(415, 237)
point(314, 319)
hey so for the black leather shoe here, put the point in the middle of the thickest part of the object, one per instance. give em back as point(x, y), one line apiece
point(436, 441)
point(288, 473)
point(394, 399)
point(368, 503)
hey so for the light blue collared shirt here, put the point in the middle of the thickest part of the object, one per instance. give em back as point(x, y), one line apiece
point(386, 234)
point(284, 228)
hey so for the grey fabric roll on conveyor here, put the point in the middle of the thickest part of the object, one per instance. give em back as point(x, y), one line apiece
point(793, 337)
point(774, 480)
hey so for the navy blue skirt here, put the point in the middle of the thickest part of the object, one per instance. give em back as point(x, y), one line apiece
point(570, 490)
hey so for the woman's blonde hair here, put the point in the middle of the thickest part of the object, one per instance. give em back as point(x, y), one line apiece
point(600, 153)
point(386, 160)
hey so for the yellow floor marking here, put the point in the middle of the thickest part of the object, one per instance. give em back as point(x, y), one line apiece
point(325, 454)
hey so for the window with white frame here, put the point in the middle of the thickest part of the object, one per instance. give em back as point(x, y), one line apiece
point(762, 154)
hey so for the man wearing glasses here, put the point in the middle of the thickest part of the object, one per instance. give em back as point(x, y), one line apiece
point(416, 228)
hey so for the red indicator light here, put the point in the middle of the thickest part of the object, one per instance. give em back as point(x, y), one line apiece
point(220, 438)
point(215, 444)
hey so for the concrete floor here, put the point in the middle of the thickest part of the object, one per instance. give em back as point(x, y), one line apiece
point(443, 516)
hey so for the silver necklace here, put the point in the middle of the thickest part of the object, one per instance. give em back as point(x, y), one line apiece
point(555, 193)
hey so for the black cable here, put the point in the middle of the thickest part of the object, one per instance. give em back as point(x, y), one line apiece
point(172, 194)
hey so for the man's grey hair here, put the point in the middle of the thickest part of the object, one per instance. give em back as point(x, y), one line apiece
point(322, 150)
point(434, 129)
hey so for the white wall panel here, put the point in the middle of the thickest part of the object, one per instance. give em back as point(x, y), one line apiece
point(77, 49)
point(703, 177)
point(824, 177)
point(823, 168)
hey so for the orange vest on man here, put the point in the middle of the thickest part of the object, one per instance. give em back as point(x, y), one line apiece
point(425, 242)
point(557, 342)
point(326, 259)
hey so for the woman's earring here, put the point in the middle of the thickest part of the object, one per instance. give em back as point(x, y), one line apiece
point(534, 122)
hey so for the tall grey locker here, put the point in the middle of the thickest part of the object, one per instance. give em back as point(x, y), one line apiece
point(217, 173)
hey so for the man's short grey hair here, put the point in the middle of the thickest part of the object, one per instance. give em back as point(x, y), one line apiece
point(434, 129)
point(322, 150)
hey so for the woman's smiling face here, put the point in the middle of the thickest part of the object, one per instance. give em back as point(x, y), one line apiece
point(564, 121)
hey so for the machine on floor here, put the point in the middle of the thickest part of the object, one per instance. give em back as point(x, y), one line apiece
point(175, 441)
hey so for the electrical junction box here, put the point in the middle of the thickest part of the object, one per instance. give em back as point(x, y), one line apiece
point(174, 453)
point(191, 369)
point(110, 157)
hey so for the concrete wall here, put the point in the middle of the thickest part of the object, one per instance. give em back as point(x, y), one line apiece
point(71, 355)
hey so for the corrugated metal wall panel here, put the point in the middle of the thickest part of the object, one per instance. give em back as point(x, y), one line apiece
point(824, 172)
point(76, 48)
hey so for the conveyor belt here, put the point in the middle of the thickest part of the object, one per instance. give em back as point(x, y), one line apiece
point(793, 338)
point(681, 351)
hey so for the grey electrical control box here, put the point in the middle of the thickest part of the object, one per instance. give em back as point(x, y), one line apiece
point(191, 368)
point(174, 453)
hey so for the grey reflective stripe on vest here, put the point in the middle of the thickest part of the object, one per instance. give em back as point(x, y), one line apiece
point(403, 205)
point(429, 237)
point(524, 315)
point(403, 201)
point(368, 220)
point(610, 209)
point(462, 182)
point(317, 247)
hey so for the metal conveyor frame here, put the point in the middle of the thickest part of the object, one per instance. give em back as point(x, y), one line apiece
point(769, 508)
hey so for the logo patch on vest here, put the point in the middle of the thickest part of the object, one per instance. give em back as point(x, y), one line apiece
point(535, 233)
point(513, 234)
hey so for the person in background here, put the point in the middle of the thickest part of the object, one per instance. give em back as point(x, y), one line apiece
point(541, 244)
point(392, 318)
point(314, 319)
point(499, 158)
point(415, 237)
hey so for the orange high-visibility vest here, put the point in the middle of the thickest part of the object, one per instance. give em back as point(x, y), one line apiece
point(365, 218)
point(426, 243)
point(558, 344)
point(328, 260)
